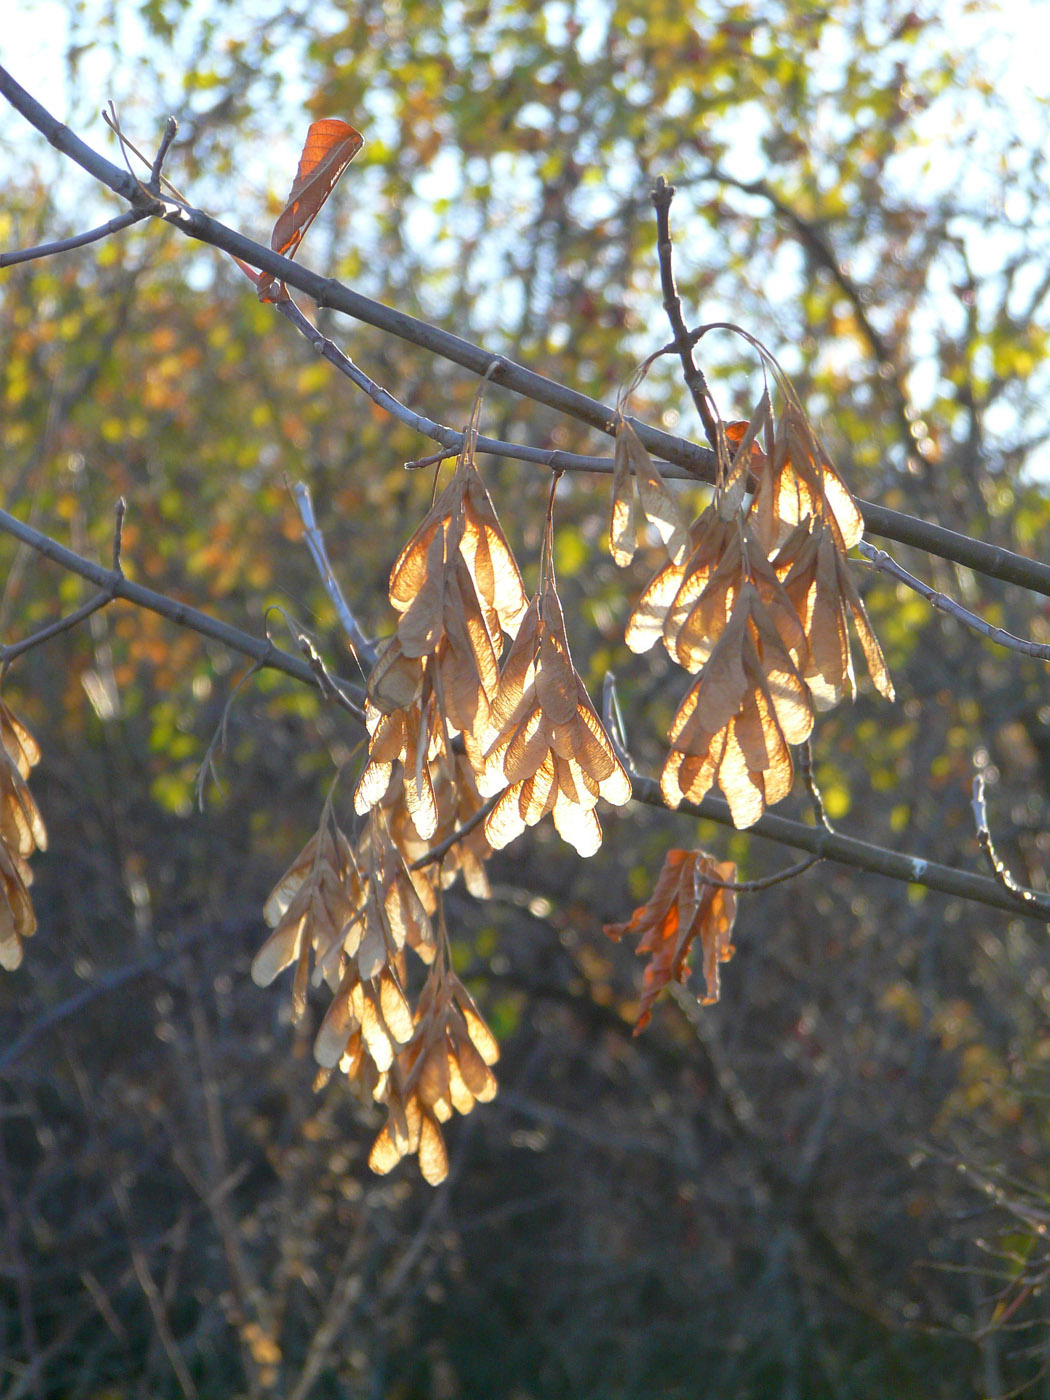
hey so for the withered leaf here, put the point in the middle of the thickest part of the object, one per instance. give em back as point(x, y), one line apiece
point(683, 907)
point(329, 148)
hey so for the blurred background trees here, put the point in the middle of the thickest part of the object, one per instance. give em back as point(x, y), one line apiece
point(834, 1183)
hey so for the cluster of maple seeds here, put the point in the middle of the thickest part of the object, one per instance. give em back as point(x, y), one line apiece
point(754, 600)
point(449, 727)
point(22, 832)
point(354, 911)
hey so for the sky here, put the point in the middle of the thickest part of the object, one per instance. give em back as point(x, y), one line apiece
point(1008, 37)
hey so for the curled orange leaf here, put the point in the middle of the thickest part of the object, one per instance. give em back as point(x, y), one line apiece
point(329, 148)
point(688, 902)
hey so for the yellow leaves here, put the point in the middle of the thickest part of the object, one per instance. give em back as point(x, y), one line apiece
point(687, 903)
point(22, 832)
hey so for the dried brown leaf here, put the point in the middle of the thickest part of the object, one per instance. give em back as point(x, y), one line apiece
point(329, 148)
point(683, 907)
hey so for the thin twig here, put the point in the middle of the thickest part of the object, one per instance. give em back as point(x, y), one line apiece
point(613, 721)
point(120, 510)
point(765, 883)
point(53, 629)
point(93, 605)
point(1003, 877)
point(244, 1288)
point(171, 130)
point(661, 197)
point(451, 440)
point(79, 240)
point(329, 685)
point(152, 1293)
point(437, 852)
point(156, 178)
point(218, 739)
point(886, 564)
point(364, 651)
point(805, 763)
point(16, 1265)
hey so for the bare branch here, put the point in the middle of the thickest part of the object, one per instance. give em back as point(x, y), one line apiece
point(54, 629)
point(821, 841)
point(79, 240)
point(766, 883)
point(437, 852)
point(218, 739)
point(861, 855)
point(1003, 877)
point(171, 130)
point(152, 1293)
point(696, 463)
point(695, 382)
point(257, 648)
point(362, 648)
point(119, 512)
point(805, 763)
point(879, 559)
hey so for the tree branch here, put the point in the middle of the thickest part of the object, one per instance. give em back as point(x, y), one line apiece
point(861, 855)
point(115, 585)
point(1022, 896)
point(662, 195)
point(884, 563)
point(697, 463)
point(359, 643)
point(79, 240)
